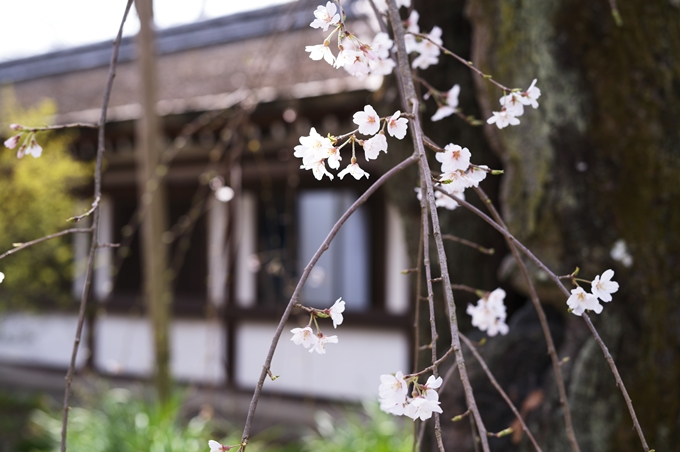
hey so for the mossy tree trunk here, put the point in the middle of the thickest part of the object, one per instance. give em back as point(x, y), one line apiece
point(597, 162)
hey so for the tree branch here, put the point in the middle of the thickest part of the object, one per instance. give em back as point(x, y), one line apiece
point(303, 279)
point(95, 228)
point(43, 239)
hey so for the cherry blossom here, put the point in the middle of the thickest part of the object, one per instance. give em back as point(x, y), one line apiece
point(367, 120)
point(602, 286)
point(421, 407)
point(304, 336)
point(321, 51)
point(450, 104)
point(381, 5)
point(397, 126)
point(428, 389)
point(2, 277)
point(455, 158)
point(502, 119)
point(382, 66)
point(412, 27)
point(428, 50)
point(530, 96)
point(314, 144)
point(374, 145)
point(392, 392)
point(12, 142)
point(224, 194)
point(513, 104)
point(620, 253)
point(320, 345)
point(325, 16)
point(336, 311)
point(441, 200)
point(354, 169)
point(217, 447)
point(580, 301)
point(489, 313)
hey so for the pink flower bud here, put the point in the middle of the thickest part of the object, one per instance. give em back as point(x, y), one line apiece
point(12, 142)
point(16, 127)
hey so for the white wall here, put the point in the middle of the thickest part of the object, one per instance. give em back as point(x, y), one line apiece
point(123, 345)
point(40, 339)
point(350, 369)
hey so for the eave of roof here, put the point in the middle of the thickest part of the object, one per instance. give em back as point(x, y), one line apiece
point(221, 30)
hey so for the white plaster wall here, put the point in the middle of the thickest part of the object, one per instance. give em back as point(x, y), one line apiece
point(123, 345)
point(40, 339)
point(350, 369)
point(397, 290)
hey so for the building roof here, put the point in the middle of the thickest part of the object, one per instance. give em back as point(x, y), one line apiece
point(201, 66)
point(221, 30)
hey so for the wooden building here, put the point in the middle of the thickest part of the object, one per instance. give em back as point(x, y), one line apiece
point(246, 90)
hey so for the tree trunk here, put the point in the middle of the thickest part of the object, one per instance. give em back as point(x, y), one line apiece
point(596, 163)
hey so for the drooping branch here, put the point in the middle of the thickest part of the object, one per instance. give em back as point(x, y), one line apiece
point(303, 279)
point(500, 390)
point(426, 182)
point(20, 247)
point(558, 282)
point(95, 227)
point(557, 368)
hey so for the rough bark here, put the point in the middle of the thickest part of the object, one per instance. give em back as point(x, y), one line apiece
point(597, 162)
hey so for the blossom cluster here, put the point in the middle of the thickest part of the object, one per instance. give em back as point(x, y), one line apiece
point(316, 342)
point(424, 400)
point(355, 56)
point(427, 50)
point(457, 175)
point(512, 106)
point(29, 146)
point(316, 150)
point(601, 289)
point(489, 313)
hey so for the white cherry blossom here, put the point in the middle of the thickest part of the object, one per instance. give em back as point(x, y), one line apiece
point(2, 277)
point(217, 447)
point(336, 311)
point(397, 126)
point(320, 345)
point(304, 336)
point(513, 104)
point(373, 146)
point(489, 313)
point(367, 120)
point(321, 51)
point(580, 301)
point(428, 50)
point(428, 389)
point(34, 149)
point(354, 169)
point(530, 96)
point(449, 107)
point(441, 200)
point(422, 408)
point(502, 119)
point(325, 16)
point(393, 387)
point(602, 286)
point(382, 66)
point(454, 158)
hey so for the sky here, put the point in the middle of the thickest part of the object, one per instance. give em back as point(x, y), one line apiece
point(45, 25)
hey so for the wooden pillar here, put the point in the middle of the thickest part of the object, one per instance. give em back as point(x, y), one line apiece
point(152, 196)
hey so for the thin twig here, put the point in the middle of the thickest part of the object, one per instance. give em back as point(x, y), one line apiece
point(426, 182)
point(557, 369)
point(425, 235)
point(435, 363)
point(303, 279)
point(500, 390)
point(74, 125)
point(473, 245)
point(95, 227)
point(77, 218)
point(556, 280)
point(21, 246)
point(462, 60)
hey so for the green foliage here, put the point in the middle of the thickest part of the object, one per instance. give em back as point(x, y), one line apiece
point(122, 422)
point(376, 431)
point(36, 195)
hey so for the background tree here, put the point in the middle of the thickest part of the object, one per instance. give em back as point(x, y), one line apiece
point(596, 164)
point(37, 197)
